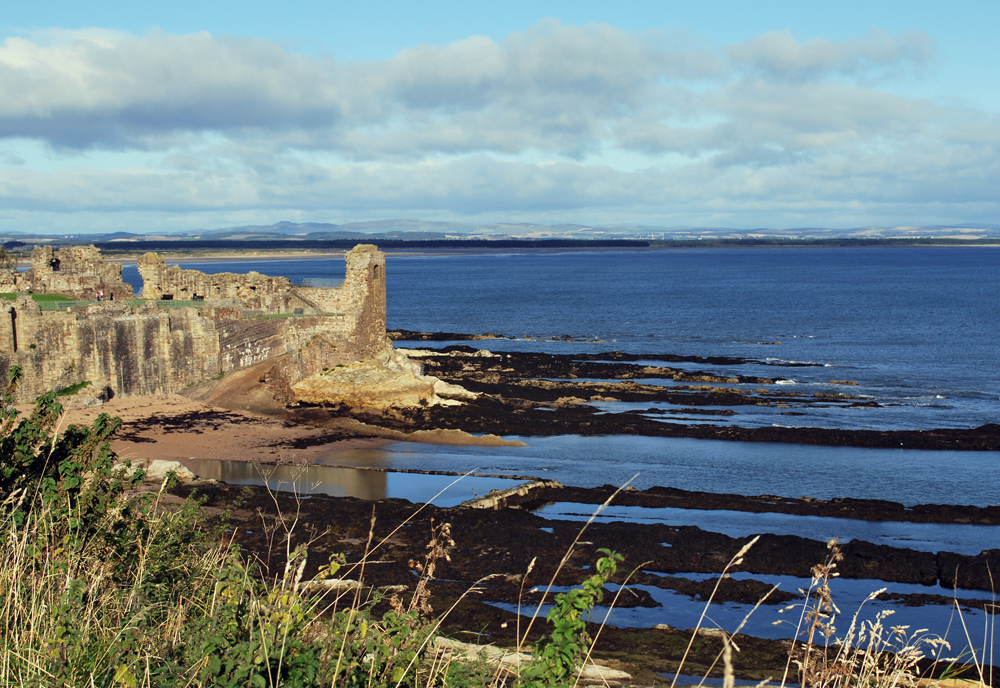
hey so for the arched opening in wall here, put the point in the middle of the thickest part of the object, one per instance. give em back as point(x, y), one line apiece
point(13, 328)
point(54, 264)
point(375, 273)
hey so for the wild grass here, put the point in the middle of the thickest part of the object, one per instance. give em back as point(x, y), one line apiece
point(104, 585)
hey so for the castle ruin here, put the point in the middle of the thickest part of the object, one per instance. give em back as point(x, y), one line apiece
point(77, 271)
point(191, 327)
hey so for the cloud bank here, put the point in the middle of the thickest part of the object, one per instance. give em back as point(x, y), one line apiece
point(581, 123)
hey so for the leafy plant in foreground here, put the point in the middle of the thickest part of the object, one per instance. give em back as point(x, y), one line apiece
point(559, 655)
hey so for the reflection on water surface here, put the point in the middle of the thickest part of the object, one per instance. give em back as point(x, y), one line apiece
point(350, 482)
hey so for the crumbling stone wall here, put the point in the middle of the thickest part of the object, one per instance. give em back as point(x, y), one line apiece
point(8, 281)
point(253, 290)
point(359, 302)
point(76, 271)
point(147, 349)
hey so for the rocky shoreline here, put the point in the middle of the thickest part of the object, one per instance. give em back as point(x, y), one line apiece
point(533, 394)
point(538, 394)
point(494, 548)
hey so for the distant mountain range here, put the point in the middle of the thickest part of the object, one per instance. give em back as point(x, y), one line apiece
point(408, 229)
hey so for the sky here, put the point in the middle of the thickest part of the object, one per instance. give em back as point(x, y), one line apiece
point(145, 117)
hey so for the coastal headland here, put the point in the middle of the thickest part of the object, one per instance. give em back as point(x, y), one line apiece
point(285, 403)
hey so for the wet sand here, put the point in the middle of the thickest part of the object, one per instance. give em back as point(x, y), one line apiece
point(173, 428)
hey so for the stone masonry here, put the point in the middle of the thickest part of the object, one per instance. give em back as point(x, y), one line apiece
point(230, 322)
point(76, 271)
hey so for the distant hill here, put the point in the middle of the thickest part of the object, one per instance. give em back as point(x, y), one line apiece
point(412, 229)
point(415, 230)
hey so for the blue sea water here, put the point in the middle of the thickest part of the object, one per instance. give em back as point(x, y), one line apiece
point(915, 327)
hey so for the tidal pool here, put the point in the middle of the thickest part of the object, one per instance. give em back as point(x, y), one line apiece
point(443, 490)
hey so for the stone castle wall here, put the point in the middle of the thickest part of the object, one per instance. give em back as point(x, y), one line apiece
point(77, 271)
point(253, 290)
point(147, 349)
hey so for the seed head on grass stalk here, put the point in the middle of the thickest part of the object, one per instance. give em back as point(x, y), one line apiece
point(871, 654)
point(735, 561)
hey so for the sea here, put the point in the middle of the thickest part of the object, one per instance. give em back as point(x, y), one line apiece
point(915, 328)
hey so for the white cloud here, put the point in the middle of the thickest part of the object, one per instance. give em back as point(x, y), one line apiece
point(551, 87)
point(777, 55)
point(520, 128)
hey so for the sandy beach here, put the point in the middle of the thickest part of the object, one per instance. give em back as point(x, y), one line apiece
point(172, 427)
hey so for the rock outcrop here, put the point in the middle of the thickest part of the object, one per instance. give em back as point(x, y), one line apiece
point(156, 471)
point(390, 380)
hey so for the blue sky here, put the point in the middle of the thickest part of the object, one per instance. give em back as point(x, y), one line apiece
point(179, 116)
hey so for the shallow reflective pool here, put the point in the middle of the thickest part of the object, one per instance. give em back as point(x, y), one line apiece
point(748, 468)
point(441, 490)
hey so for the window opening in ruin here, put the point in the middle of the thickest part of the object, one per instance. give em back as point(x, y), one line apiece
point(13, 328)
point(375, 273)
point(54, 265)
point(167, 297)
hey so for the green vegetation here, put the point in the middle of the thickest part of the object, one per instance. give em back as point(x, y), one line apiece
point(72, 389)
point(39, 298)
point(566, 647)
point(104, 585)
point(55, 302)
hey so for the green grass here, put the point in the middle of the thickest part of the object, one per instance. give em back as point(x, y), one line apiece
point(61, 305)
point(40, 298)
point(105, 586)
